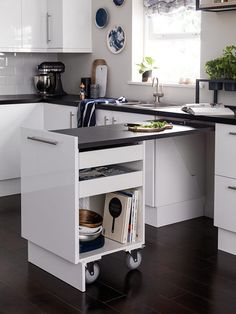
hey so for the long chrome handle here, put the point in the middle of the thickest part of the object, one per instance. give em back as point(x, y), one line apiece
point(105, 120)
point(48, 28)
point(232, 188)
point(42, 140)
point(71, 119)
point(232, 133)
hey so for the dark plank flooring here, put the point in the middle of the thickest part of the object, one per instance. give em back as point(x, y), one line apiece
point(182, 272)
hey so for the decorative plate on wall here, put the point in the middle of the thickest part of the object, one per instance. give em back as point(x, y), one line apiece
point(101, 18)
point(116, 39)
point(119, 2)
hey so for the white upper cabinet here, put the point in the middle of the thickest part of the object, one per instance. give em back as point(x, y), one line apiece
point(70, 25)
point(46, 25)
point(34, 24)
point(10, 24)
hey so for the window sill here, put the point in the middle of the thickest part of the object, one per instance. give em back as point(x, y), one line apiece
point(175, 85)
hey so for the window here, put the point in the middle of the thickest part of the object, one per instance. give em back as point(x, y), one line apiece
point(172, 38)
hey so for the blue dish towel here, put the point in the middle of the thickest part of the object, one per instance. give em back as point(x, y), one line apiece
point(87, 110)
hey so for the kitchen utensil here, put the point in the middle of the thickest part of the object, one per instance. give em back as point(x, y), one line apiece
point(96, 62)
point(89, 236)
point(42, 83)
point(115, 209)
point(101, 79)
point(89, 218)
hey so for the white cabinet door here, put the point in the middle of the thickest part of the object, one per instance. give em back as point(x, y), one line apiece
point(12, 118)
point(180, 169)
point(59, 117)
point(10, 23)
point(70, 25)
point(103, 117)
point(34, 24)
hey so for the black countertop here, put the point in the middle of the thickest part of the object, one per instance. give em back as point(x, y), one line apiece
point(110, 135)
point(73, 100)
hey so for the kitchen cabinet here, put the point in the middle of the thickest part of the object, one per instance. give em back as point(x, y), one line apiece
point(10, 24)
point(59, 117)
point(34, 24)
point(225, 187)
point(52, 205)
point(46, 25)
point(70, 25)
point(12, 118)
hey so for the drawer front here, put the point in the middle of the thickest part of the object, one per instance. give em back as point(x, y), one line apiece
point(225, 203)
point(225, 150)
point(110, 156)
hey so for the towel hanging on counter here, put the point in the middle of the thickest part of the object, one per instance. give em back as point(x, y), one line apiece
point(86, 114)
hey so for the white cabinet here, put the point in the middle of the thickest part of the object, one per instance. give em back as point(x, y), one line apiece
point(70, 25)
point(51, 190)
point(10, 24)
point(12, 118)
point(225, 187)
point(46, 25)
point(59, 117)
point(34, 24)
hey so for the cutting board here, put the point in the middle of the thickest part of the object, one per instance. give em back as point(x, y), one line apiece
point(101, 79)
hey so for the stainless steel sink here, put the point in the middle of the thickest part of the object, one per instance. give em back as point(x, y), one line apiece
point(158, 106)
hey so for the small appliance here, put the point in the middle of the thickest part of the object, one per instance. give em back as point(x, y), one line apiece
point(48, 81)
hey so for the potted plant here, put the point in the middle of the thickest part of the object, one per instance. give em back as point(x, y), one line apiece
point(215, 70)
point(146, 67)
point(229, 59)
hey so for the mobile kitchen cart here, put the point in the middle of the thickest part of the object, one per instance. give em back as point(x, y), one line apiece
point(51, 191)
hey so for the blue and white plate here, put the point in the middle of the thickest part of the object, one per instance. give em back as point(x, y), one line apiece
point(116, 39)
point(101, 18)
point(119, 2)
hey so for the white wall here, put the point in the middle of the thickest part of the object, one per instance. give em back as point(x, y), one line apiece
point(17, 71)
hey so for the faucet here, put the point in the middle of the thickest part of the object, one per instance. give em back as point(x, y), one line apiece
point(158, 91)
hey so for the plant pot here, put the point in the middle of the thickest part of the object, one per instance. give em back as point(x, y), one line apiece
point(215, 85)
point(230, 86)
point(147, 76)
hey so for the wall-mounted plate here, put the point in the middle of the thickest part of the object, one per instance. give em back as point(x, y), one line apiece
point(119, 2)
point(116, 39)
point(101, 18)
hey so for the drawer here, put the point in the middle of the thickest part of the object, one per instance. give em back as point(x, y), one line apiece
point(225, 150)
point(110, 156)
point(110, 184)
point(225, 203)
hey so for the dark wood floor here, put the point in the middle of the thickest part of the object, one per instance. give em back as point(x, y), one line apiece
point(182, 272)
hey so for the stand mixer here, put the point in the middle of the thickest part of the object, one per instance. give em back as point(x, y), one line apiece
point(48, 81)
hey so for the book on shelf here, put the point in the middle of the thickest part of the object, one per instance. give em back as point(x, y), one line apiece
point(120, 216)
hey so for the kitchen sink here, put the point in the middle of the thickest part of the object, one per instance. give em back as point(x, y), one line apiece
point(158, 106)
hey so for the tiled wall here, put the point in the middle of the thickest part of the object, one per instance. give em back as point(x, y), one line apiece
point(17, 71)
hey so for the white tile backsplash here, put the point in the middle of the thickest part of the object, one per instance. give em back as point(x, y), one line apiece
point(17, 71)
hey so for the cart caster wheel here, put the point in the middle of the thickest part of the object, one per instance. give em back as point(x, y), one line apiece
point(91, 273)
point(133, 261)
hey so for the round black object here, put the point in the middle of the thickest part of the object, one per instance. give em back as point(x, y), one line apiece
point(101, 18)
point(115, 209)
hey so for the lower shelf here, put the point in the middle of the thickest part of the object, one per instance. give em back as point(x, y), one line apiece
point(109, 247)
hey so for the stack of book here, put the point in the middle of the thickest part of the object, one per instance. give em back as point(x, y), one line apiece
point(121, 215)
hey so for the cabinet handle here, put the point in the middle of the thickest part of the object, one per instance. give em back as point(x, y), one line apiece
point(114, 120)
point(232, 133)
point(48, 28)
point(105, 120)
point(71, 119)
point(42, 140)
point(232, 188)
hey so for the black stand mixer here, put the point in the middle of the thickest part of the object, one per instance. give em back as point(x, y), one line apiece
point(48, 81)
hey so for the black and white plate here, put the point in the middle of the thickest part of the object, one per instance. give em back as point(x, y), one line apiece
point(116, 39)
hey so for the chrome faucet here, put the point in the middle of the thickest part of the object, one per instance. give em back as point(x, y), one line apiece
point(158, 90)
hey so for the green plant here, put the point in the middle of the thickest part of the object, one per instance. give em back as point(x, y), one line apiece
point(148, 64)
point(215, 68)
point(229, 61)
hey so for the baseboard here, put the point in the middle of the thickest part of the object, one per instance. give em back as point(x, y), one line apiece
point(173, 213)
